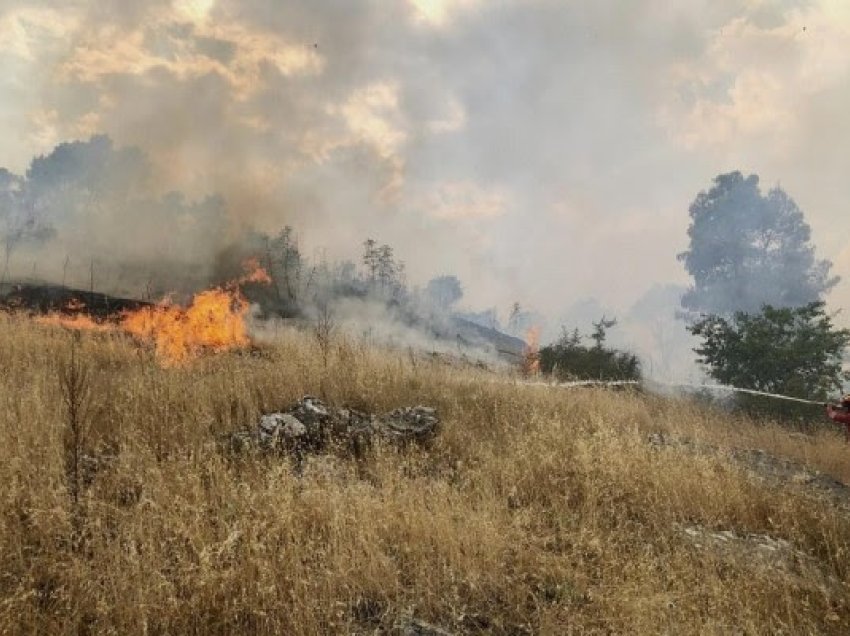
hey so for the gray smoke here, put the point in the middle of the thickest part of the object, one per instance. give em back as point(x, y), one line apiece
point(653, 328)
point(85, 209)
point(541, 151)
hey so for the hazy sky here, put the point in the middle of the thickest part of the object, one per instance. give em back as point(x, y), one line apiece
point(542, 150)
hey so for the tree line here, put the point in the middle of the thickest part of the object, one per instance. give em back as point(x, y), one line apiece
point(756, 303)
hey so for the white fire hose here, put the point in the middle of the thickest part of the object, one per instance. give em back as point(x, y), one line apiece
point(709, 387)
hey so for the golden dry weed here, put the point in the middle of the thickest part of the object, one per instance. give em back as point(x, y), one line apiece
point(535, 510)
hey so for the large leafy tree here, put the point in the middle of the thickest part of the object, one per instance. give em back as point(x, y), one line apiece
point(748, 249)
point(793, 351)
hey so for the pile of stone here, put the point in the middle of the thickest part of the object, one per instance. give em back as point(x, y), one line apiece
point(311, 426)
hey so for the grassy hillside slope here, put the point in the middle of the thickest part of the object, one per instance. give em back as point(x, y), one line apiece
point(534, 511)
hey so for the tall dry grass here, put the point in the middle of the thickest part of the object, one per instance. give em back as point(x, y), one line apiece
point(535, 511)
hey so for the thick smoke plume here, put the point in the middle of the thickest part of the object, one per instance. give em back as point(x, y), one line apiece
point(542, 152)
point(84, 215)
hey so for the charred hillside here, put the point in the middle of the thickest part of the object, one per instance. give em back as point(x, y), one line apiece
point(50, 298)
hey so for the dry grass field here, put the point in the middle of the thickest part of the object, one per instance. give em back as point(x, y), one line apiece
point(535, 510)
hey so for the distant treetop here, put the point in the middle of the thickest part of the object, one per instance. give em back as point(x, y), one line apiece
point(748, 249)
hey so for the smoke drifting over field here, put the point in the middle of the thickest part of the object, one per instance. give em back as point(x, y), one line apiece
point(89, 209)
point(544, 152)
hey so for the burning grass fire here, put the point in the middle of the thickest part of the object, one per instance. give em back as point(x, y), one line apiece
point(79, 321)
point(531, 355)
point(214, 321)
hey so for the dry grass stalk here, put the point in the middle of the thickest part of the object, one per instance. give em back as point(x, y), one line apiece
point(324, 329)
point(75, 384)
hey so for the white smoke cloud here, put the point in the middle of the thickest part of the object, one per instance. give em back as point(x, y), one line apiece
point(543, 151)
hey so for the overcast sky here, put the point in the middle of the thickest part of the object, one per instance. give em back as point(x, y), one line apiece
point(544, 151)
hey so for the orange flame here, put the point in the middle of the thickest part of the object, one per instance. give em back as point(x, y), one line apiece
point(72, 318)
point(214, 321)
point(80, 322)
point(531, 355)
point(74, 305)
point(254, 273)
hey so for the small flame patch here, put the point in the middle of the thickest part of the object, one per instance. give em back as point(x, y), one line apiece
point(531, 355)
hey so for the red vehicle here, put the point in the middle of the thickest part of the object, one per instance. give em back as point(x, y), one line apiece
point(841, 414)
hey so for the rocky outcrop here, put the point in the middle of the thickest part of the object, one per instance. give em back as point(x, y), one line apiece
point(311, 426)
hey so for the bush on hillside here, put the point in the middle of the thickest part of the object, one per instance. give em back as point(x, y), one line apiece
point(569, 359)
